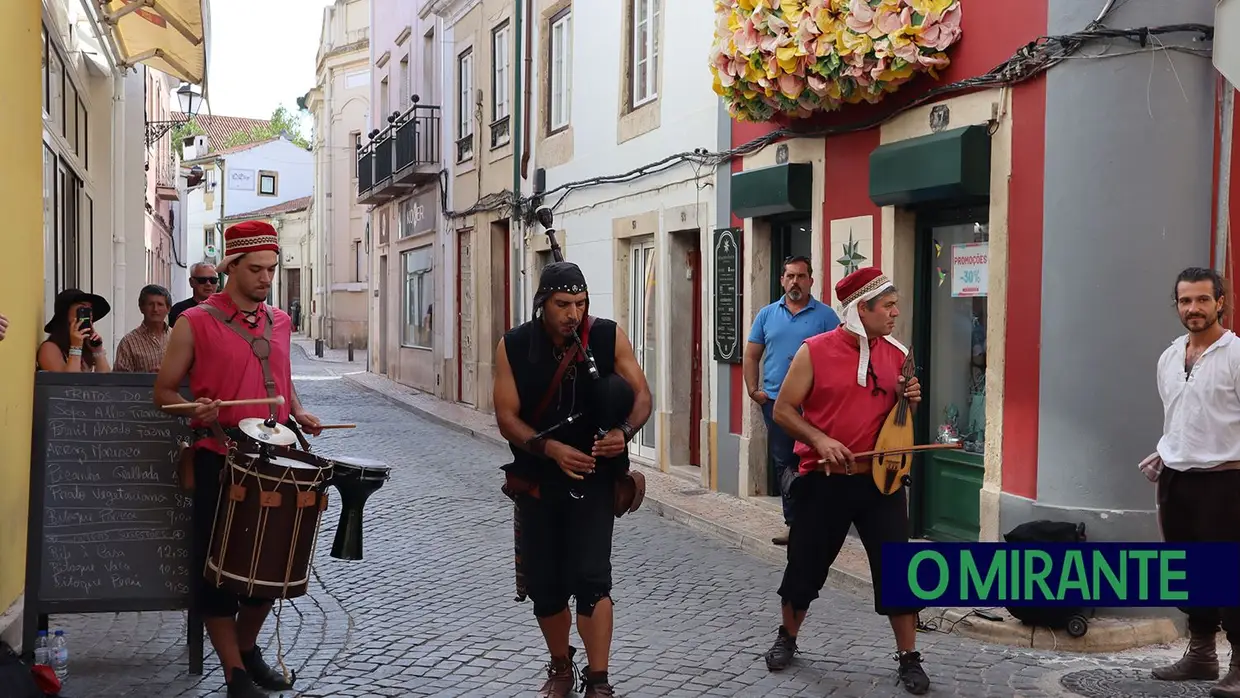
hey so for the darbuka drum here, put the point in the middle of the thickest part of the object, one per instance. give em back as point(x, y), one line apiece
point(266, 522)
point(356, 479)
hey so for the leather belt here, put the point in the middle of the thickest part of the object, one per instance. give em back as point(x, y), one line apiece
point(859, 467)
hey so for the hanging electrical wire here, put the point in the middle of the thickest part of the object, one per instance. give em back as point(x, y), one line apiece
point(1029, 61)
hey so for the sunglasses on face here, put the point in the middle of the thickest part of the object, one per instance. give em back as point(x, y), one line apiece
point(206, 279)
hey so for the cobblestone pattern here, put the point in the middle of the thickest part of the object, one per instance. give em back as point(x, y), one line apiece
point(430, 610)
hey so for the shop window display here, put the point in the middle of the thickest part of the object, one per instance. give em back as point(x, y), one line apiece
point(957, 378)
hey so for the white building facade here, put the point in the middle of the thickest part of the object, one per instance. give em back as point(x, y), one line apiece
point(399, 168)
point(611, 96)
point(236, 181)
point(94, 181)
point(338, 265)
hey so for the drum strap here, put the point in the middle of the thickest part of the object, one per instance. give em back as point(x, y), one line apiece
point(259, 346)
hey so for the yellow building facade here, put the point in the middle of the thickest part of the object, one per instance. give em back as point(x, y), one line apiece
point(21, 285)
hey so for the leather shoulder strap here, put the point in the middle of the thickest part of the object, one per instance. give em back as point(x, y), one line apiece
point(569, 358)
point(263, 355)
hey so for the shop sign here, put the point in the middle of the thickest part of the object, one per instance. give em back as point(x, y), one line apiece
point(970, 278)
point(727, 292)
point(419, 213)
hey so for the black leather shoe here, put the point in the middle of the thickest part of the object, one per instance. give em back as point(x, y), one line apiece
point(264, 675)
point(912, 676)
point(780, 654)
point(242, 686)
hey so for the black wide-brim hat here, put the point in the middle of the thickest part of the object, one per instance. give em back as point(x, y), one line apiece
point(66, 298)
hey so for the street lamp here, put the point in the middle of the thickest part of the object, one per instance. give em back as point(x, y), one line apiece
point(190, 100)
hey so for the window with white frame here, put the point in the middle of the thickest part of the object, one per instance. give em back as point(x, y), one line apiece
point(645, 57)
point(404, 84)
point(643, 330)
point(419, 297)
point(500, 100)
point(465, 105)
point(561, 63)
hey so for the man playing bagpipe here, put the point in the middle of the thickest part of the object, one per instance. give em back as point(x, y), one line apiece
point(568, 404)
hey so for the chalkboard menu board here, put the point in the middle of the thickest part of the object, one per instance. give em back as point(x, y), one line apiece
point(109, 527)
point(727, 292)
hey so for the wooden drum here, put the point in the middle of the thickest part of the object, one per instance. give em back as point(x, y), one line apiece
point(267, 522)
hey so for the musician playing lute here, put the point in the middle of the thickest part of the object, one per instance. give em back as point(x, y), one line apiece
point(232, 346)
point(564, 484)
point(837, 395)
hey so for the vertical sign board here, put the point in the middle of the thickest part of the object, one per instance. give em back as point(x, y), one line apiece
point(109, 524)
point(728, 294)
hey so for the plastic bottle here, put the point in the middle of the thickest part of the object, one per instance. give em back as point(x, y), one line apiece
point(42, 653)
point(60, 655)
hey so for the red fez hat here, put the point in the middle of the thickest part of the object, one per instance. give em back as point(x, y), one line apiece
point(243, 238)
point(859, 283)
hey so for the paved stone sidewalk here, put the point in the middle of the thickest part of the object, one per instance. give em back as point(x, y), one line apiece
point(430, 611)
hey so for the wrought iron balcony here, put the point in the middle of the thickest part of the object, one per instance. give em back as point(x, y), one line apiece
point(402, 156)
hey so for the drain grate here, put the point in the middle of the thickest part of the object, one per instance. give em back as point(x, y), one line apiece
point(1130, 683)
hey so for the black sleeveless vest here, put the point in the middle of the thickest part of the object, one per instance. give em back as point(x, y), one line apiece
point(534, 361)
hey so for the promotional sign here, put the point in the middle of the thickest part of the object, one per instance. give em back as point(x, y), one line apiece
point(969, 269)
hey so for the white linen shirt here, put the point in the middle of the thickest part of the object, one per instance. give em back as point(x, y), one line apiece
point(1201, 412)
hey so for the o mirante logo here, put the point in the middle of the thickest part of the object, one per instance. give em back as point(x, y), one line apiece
point(1061, 574)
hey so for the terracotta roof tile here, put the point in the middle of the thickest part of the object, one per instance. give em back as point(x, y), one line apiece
point(239, 148)
point(219, 129)
point(286, 207)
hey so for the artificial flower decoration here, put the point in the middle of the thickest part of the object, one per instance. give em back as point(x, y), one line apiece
point(797, 57)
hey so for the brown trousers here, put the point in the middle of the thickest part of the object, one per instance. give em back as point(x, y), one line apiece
point(1202, 507)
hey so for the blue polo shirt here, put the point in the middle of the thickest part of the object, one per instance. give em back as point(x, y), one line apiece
point(781, 333)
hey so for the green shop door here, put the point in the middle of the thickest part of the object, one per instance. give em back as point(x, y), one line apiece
point(789, 238)
point(950, 346)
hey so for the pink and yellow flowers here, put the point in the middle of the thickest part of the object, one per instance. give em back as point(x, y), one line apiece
point(798, 57)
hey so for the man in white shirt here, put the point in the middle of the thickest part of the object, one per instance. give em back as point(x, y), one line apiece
point(1197, 466)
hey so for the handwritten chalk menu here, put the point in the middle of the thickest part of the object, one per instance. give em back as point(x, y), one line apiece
point(727, 292)
point(113, 523)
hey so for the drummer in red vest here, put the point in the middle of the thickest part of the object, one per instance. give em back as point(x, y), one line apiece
point(213, 350)
point(834, 401)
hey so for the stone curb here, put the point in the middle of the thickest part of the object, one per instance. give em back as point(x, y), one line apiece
point(1104, 634)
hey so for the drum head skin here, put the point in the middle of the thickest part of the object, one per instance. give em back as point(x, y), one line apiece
point(255, 428)
point(290, 463)
point(363, 468)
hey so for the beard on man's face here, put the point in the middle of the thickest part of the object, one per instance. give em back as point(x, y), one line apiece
point(1196, 321)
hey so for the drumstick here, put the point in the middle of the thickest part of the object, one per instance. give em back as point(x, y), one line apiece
point(278, 400)
point(337, 426)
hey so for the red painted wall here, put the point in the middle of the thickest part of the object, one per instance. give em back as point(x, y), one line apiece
point(993, 32)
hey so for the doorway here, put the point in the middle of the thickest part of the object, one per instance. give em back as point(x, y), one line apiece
point(292, 296)
point(383, 314)
point(466, 356)
point(682, 410)
point(949, 340)
point(790, 237)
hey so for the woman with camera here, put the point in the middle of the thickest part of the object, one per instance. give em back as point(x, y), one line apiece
point(72, 344)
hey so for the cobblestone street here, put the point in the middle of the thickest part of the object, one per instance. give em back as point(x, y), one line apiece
point(430, 610)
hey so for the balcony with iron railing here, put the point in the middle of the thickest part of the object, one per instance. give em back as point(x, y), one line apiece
point(166, 178)
point(400, 157)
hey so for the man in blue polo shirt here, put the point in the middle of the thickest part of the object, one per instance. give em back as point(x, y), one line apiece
point(777, 333)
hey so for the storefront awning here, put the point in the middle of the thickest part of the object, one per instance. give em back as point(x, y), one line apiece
point(950, 165)
point(167, 35)
point(770, 191)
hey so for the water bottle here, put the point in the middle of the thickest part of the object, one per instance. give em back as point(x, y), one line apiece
point(60, 655)
point(42, 653)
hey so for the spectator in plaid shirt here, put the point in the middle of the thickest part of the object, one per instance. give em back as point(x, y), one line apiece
point(142, 350)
